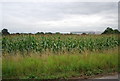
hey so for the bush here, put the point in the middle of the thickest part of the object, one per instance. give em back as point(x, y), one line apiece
point(111, 31)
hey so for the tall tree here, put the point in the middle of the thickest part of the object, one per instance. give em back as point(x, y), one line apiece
point(111, 31)
point(5, 32)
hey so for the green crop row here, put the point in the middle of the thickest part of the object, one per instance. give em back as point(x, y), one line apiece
point(58, 43)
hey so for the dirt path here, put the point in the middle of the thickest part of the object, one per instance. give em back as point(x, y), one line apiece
point(109, 77)
point(113, 77)
point(102, 78)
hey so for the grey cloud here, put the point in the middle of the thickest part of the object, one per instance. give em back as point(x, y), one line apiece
point(87, 7)
point(57, 10)
point(23, 15)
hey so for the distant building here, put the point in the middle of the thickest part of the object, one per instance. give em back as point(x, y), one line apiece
point(81, 32)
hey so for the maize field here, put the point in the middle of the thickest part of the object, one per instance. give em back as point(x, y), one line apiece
point(58, 43)
point(58, 56)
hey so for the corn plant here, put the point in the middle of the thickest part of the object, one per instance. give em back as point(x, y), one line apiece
point(12, 44)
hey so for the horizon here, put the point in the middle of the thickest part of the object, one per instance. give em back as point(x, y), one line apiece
point(96, 32)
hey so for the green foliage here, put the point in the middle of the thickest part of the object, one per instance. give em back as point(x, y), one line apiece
point(39, 33)
point(62, 66)
point(84, 34)
point(66, 64)
point(111, 31)
point(48, 33)
point(57, 33)
point(57, 44)
point(5, 32)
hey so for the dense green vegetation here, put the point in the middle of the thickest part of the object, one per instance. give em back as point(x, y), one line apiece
point(58, 56)
point(111, 31)
point(59, 66)
point(58, 43)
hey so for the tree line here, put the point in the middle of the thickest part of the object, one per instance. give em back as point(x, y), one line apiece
point(108, 30)
point(6, 32)
point(111, 31)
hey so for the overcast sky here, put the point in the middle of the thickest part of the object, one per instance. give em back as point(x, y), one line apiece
point(59, 16)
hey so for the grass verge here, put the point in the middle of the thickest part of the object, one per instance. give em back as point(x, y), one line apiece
point(59, 66)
